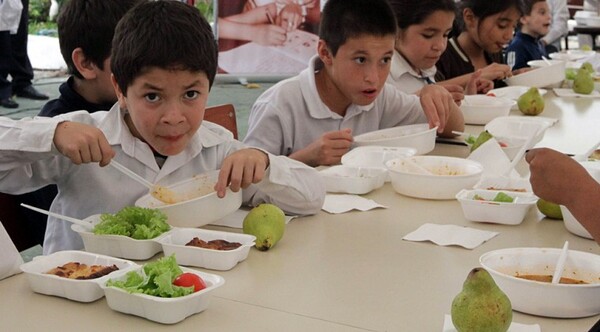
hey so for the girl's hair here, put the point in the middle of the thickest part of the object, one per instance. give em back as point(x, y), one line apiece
point(411, 12)
point(482, 9)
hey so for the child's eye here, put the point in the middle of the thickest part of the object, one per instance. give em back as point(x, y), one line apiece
point(152, 97)
point(191, 94)
point(360, 60)
point(386, 60)
point(427, 36)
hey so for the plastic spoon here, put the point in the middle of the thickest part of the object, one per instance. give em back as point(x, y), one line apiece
point(76, 221)
point(519, 155)
point(416, 167)
point(161, 193)
point(561, 263)
point(546, 60)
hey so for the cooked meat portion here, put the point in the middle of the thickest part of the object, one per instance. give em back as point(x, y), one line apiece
point(75, 270)
point(214, 244)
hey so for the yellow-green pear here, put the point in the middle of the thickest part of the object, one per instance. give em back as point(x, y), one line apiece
point(267, 223)
point(481, 305)
point(584, 82)
point(587, 67)
point(549, 209)
point(531, 102)
point(483, 137)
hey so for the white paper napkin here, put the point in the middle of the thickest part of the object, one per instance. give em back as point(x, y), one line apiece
point(495, 162)
point(10, 259)
point(340, 203)
point(447, 235)
point(568, 92)
point(236, 219)
point(514, 327)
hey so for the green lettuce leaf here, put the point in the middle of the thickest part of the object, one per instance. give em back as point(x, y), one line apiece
point(135, 222)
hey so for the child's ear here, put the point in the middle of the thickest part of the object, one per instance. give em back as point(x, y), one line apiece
point(84, 66)
point(324, 53)
point(118, 92)
point(469, 18)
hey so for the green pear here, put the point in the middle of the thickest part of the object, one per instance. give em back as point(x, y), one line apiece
point(584, 82)
point(481, 305)
point(587, 67)
point(549, 209)
point(267, 223)
point(483, 137)
point(531, 102)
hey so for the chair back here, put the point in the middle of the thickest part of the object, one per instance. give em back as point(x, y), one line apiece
point(223, 115)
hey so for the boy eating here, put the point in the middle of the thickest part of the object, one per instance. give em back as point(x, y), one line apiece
point(164, 60)
point(312, 117)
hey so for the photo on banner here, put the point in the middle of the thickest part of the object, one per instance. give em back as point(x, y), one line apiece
point(267, 37)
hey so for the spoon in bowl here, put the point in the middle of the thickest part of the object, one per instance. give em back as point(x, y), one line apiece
point(415, 168)
point(76, 221)
point(560, 264)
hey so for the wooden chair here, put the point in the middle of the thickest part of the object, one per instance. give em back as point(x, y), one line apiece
point(223, 115)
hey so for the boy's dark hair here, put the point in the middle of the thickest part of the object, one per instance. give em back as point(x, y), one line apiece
point(411, 12)
point(344, 19)
point(528, 6)
point(89, 24)
point(482, 9)
point(164, 34)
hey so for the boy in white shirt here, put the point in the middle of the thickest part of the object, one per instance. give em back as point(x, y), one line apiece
point(162, 74)
point(312, 117)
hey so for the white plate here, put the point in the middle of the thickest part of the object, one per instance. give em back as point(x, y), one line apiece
point(77, 290)
point(513, 92)
point(571, 55)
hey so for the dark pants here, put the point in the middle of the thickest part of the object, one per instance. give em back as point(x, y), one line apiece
point(14, 59)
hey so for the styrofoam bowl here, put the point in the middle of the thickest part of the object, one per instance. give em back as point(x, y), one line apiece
point(542, 63)
point(417, 136)
point(519, 127)
point(87, 290)
point(174, 243)
point(510, 145)
point(571, 223)
point(198, 211)
point(450, 175)
point(116, 245)
point(512, 92)
point(549, 76)
point(353, 179)
point(571, 55)
point(543, 298)
point(159, 309)
point(481, 109)
point(504, 183)
point(495, 212)
point(375, 156)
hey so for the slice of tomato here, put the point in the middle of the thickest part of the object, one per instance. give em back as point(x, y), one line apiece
point(188, 280)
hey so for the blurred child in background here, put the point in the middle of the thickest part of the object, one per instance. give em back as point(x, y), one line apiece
point(534, 24)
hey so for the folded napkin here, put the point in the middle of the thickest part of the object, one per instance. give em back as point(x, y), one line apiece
point(236, 219)
point(340, 203)
point(495, 162)
point(514, 327)
point(447, 235)
point(10, 260)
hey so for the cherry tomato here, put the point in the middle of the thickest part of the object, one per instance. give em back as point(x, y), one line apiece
point(502, 144)
point(189, 280)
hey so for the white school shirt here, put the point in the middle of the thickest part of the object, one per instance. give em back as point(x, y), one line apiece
point(405, 78)
point(290, 115)
point(29, 161)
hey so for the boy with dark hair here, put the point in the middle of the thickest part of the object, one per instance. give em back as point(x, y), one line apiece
point(312, 117)
point(534, 24)
point(164, 60)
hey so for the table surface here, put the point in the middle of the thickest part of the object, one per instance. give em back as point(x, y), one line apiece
point(345, 272)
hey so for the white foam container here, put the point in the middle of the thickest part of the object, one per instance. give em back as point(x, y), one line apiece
point(481, 109)
point(72, 289)
point(548, 76)
point(489, 211)
point(159, 309)
point(353, 179)
point(174, 243)
point(417, 136)
point(520, 127)
point(117, 245)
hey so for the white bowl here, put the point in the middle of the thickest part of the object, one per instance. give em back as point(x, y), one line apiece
point(417, 136)
point(375, 156)
point(174, 243)
point(116, 245)
point(571, 223)
point(198, 211)
point(353, 179)
point(542, 298)
point(159, 309)
point(549, 76)
point(481, 109)
point(450, 175)
point(571, 55)
point(520, 127)
point(512, 92)
point(495, 212)
point(504, 183)
point(88, 290)
point(542, 63)
point(510, 145)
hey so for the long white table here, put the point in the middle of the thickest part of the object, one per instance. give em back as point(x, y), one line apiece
point(344, 272)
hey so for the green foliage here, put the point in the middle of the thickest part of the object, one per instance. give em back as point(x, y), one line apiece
point(206, 9)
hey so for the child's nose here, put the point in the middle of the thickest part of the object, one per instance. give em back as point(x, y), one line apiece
point(371, 74)
point(173, 115)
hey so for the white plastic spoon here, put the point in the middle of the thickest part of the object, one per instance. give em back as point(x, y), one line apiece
point(519, 155)
point(76, 221)
point(546, 60)
point(413, 166)
point(560, 264)
point(161, 193)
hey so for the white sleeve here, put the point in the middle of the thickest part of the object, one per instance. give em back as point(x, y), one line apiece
point(265, 129)
point(559, 26)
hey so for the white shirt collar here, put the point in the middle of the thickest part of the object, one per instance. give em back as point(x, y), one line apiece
point(400, 66)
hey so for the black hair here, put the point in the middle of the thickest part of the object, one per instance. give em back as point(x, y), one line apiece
point(162, 34)
point(90, 25)
point(528, 6)
point(411, 12)
point(484, 8)
point(344, 19)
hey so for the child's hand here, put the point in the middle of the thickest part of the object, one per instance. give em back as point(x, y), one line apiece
point(477, 84)
point(495, 71)
point(82, 143)
point(327, 150)
point(457, 92)
point(269, 34)
point(437, 103)
point(290, 17)
point(241, 169)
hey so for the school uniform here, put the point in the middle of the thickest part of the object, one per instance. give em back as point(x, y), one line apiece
point(454, 62)
point(526, 48)
point(29, 160)
point(70, 101)
point(405, 78)
point(291, 115)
